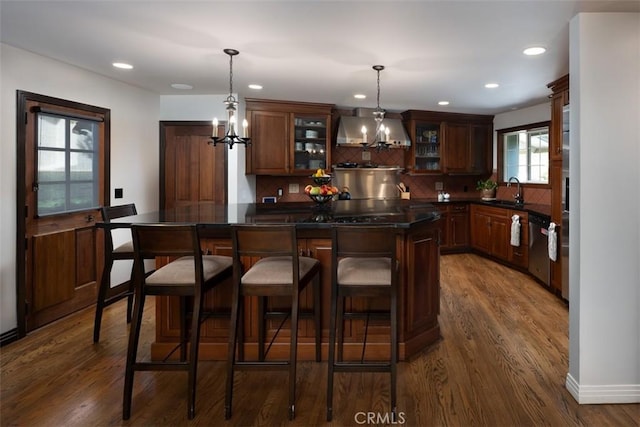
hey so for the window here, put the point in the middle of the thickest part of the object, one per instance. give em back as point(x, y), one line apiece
point(524, 153)
point(67, 169)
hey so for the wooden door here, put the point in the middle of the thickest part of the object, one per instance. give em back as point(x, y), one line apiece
point(459, 231)
point(481, 149)
point(62, 162)
point(480, 231)
point(192, 170)
point(500, 237)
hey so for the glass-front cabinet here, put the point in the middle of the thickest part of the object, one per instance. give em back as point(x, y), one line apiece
point(288, 138)
point(311, 142)
point(427, 148)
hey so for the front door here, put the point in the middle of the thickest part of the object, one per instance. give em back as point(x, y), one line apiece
point(192, 170)
point(62, 153)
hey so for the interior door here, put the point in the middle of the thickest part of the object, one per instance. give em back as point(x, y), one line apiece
point(62, 153)
point(193, 170)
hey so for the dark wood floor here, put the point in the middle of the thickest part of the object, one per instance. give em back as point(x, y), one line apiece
point(502, 361)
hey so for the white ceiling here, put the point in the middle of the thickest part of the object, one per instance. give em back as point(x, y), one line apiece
point(319, 51)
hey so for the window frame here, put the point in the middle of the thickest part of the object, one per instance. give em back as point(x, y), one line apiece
point(500, 148)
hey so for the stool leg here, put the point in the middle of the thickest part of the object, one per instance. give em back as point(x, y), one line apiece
point(132, 351)
point(293, 354)
point(231, 352)
point(193, 354)
point(317, 316)
point(261, 327)
point(332, 351)
point(102, 296)
point(130, 297)
point(340, 326)
point(394, 348)
point(183, 329)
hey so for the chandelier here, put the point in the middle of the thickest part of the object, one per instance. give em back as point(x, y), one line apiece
point(230, 136)
point(381, 136)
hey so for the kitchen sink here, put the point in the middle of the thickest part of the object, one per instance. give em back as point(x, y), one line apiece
point(508, 203)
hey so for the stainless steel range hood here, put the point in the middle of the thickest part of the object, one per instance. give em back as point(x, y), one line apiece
point(350, 129)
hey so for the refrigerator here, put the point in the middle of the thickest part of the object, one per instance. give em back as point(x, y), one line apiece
point(564, 227)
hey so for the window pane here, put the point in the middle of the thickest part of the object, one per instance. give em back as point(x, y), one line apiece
point(82, 195)
point(526, 155)
point(51, 131)
point(82, 132)
point(51, 198)
point(81, 167)
point(51, 166)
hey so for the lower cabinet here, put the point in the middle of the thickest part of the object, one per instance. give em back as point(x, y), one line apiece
point(454, 227)
point(491, 234)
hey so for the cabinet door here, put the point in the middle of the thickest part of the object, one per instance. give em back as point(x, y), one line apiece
point(425, 155)
point(500, 237)
point(443, 226)
point(456, 148)
point(481, 149)
point(557, 104)
point(270, 140)
point(458, 229)
point(519, 255)
point(481, 231)
point(312, 143)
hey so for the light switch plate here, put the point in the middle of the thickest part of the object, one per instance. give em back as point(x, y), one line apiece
point(366, 155)
point(294, 188)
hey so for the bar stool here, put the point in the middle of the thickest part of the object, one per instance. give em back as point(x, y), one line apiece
point(106, 294)
point(188, 277)
point(280, 272)
point(364, 265)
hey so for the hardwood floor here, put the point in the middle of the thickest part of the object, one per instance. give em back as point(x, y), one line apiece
point(502, 361)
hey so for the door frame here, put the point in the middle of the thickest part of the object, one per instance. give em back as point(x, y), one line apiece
point(22, 98)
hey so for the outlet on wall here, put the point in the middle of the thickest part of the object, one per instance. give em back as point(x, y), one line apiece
point(439, 186)
point(366, 155)
point(294, 188)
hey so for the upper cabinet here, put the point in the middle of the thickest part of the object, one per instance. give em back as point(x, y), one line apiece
point(559, 99)
point(448, 143)
point(288, 138)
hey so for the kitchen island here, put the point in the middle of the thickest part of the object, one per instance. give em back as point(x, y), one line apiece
point(417, 248)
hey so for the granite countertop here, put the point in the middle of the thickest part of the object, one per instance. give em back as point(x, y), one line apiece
point(535, 208)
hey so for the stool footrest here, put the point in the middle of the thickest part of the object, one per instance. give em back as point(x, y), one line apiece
point(362, 367)
point(160, 366)
point(255, 366)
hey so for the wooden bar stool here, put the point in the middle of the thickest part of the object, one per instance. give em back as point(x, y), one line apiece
point(106, 294)
point(188, 277)
point(280, 272)
point(364, 264)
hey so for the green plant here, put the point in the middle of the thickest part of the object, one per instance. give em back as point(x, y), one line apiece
point(486, 184)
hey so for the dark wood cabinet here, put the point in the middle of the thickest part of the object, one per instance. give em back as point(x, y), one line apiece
point(454, 228)
point(519, 255)
point(449, 143)
point(559, 100)
point(288, 138)
point(491, 231)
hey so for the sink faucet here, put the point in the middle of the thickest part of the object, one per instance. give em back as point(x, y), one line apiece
point(518, 195)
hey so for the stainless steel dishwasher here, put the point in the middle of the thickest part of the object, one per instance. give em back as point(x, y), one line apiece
point(538, 247)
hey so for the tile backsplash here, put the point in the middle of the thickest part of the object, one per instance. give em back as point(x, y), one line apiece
point(421, 186)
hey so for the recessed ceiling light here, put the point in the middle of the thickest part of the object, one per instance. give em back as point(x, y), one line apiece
point(255, 86)
point(491, 85)
point(359, 96)
point(122, 65)
point(536, 50)
point(443, 103)
point(181, 86)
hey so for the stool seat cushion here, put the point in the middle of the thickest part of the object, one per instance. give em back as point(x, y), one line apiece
point(364, 271)
point(182, 271)
point(125, 247)
point(277, 270)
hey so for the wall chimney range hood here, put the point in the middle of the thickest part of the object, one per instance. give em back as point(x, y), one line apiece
point(350, 129)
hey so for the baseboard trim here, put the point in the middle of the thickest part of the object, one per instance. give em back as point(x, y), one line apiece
point(603, 394)
point(8, 337)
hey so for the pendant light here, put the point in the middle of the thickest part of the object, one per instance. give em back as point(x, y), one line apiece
point(381, 136)
point(230, 136)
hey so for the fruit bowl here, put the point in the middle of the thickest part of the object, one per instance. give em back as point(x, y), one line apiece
point(321, 199)
point(320, 180)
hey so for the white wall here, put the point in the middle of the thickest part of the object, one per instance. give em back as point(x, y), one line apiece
point(134, 143)
point(604, 318)
point(241, 187)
